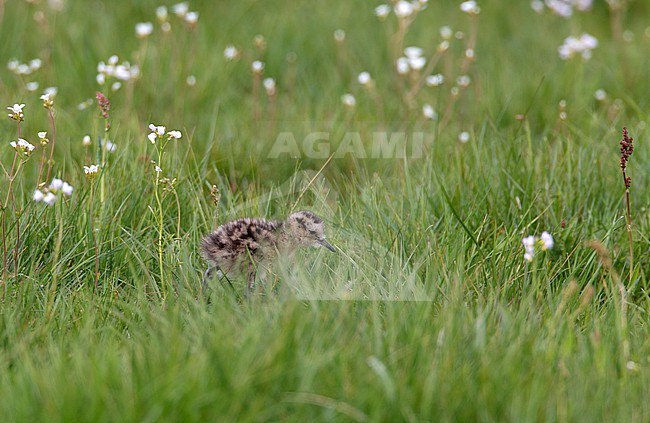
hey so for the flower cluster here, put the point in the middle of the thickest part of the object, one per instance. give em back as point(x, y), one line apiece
point(269, 86)
point(257, 67)
point(230, 53)
point(543, 242)
point(91, 171)
point(627, 148)
point(435, 80)
point(50, 194)
point(578, 45)
point(429, 112)
point(24, 68)
point(158, 133)
point(348, 100)
point(48, 98)
point(143, 29)
point(42, 138)
point(112, 69)
point(365, 79)
point(563, 8)
point(412, 60)
point(182, 10)
point(22, 147)
point(403, 9)
point(470, 7)
point(17, 112)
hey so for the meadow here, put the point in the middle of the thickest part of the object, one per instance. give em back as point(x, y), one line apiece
point(466, 163)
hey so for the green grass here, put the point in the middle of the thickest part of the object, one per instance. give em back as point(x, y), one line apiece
point(429, 311)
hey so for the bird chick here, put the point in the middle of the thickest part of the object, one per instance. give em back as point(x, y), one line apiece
point(239, 246)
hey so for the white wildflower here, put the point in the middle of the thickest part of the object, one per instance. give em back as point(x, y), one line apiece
point(48, 100)
point(230, 52)
point(161, 13)
point(562, 8)
point(190, 80)
point(435, 80)
point(402, 65)
point(348, 100)
point(529, 247)
point(382, 11)
point(269, 86)
point(174, 135)
point(416, 63)
point(537, 6)
point(42, 138)
point(470, 7)
point(257, 66)
point(192, 18)
point(413, 52)
point(547, 241)
point(463, 137)
point(23, 69)
point(463, 81)
point(582, 45)
point(364, 78)
point(67, 189)
point(403, 9)
point(49, 199)
point(31, 86)
point(22, 147)
point(109, 146)
point(158, 130)
point(56, 184)
point(429, 112)
point(339, 35)
point(38, 195)
point(181, 9)
point(17, 112)
point(446, 32)
point(543, 242)
point(86, 141)
point(143, 29)
point(91, 170)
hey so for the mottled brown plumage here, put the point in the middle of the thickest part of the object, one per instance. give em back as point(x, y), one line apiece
point(239, 246)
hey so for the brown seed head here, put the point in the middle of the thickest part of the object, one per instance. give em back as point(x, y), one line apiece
point(627, 148)
point(104, 104)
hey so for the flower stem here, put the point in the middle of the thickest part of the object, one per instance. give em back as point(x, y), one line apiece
point(91, 217)
point(628, 219)
point(50, 162)
point(5, 205)
point(55, 261)
point(160, 224)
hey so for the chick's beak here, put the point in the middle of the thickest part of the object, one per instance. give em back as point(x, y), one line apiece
point(326, 245)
